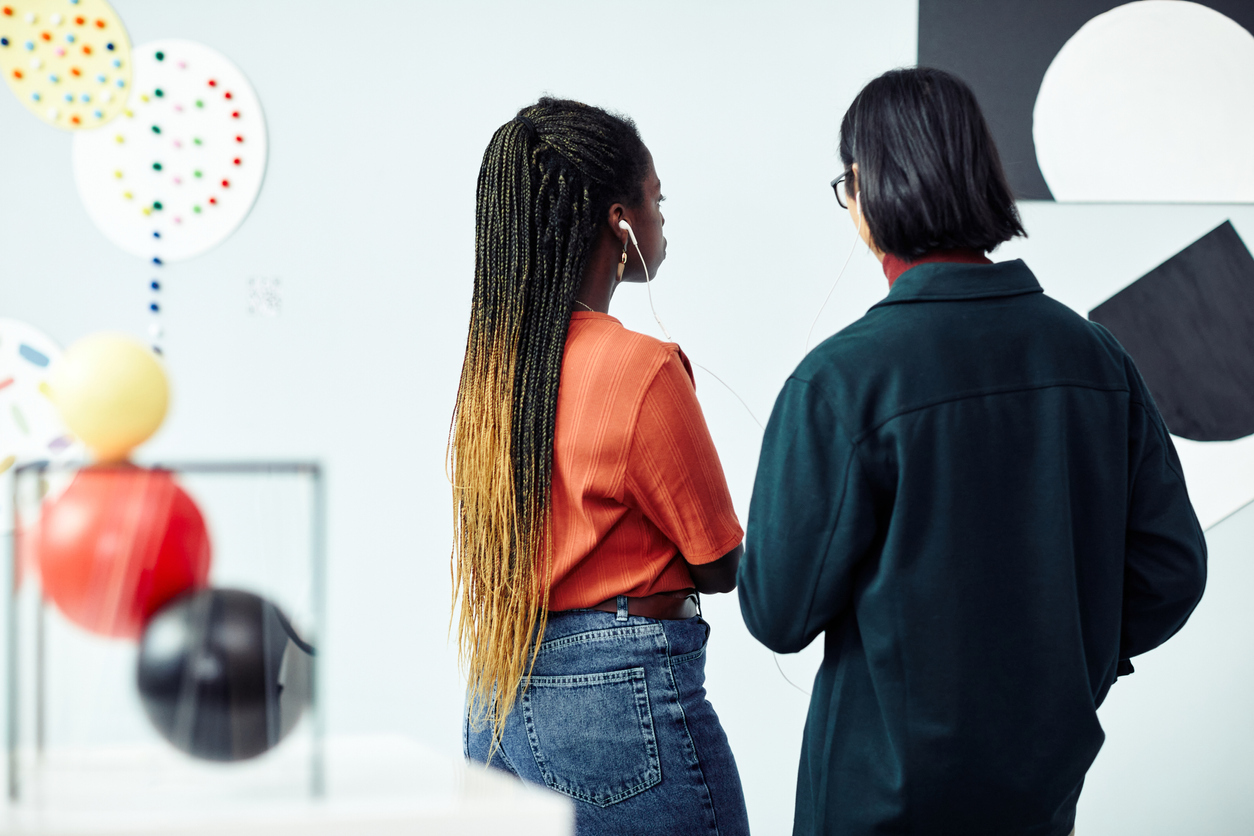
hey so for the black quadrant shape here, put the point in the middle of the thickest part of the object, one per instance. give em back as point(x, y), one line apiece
point(1002, 48)
point(1189, 326)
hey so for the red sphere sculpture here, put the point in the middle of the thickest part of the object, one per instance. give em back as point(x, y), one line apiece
point(120, 542)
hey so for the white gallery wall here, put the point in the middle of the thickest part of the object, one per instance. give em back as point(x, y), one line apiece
point(377, 115)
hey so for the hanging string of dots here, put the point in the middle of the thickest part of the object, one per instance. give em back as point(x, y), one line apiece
point(546, 183)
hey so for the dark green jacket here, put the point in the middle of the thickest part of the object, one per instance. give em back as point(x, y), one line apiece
point(971, 494)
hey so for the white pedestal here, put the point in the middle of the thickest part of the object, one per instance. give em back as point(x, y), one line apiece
point(375, 786)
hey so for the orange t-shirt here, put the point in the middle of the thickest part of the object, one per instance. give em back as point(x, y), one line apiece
point(637, 485)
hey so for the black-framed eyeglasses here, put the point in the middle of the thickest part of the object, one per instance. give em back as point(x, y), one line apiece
point(838, 186)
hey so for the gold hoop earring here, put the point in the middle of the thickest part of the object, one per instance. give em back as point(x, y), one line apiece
point(622, 264)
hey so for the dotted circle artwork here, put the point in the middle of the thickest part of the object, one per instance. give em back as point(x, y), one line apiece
point(30, 427)
point(68, 61)
point(179, 170)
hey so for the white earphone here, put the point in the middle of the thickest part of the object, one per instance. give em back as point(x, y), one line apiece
point(648, 281)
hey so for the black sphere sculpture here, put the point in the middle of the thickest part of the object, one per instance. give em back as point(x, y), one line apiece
point(222, 674)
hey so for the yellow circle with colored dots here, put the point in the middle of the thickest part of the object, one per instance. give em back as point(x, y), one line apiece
point(68, 61)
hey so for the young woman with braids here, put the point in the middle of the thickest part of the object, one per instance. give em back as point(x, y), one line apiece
point(589, 502)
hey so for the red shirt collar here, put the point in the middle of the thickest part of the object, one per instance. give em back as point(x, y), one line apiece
point(895, 266)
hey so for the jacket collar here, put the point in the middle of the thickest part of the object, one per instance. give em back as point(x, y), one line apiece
point(947, 281)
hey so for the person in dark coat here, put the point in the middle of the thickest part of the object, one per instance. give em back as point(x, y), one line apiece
point(970, 494)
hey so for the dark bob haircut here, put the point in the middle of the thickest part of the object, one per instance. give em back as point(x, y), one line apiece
point(928, 171)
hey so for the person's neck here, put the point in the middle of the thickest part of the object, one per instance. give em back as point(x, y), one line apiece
point(895, 265)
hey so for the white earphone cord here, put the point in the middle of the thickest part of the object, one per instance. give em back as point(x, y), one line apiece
point(856, 238)
point(648, 282)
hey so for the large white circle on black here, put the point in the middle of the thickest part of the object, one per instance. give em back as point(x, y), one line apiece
point(1152, 101)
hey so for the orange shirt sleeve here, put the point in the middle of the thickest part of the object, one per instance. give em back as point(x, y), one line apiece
point(673, 475)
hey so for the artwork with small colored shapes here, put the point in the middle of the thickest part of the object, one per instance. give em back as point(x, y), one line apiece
point(30, 428)
point(180, 169)
point(68, 61)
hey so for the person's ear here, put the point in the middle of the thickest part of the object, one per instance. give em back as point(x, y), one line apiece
point(618, 213)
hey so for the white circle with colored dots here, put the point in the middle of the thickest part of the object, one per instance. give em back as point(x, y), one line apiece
point(75, 52)
point(179, 170)
point(30, 428)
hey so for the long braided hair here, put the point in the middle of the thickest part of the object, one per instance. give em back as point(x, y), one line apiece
point(547, 181)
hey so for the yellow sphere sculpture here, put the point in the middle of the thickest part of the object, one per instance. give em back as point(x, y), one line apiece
point(111, 392)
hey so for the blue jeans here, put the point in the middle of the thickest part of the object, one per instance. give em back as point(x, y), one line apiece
point(616, 718)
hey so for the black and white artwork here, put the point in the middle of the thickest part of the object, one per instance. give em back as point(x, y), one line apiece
point(1189, 323)
point(1099, 101)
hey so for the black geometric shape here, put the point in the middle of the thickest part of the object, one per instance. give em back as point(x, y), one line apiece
point(1189, 326)
point(1002, 48)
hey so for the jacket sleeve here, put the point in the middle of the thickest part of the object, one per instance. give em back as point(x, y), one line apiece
point(810, 523)
point(1165, 560)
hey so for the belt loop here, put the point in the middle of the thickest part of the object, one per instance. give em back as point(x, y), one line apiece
point(622, 608)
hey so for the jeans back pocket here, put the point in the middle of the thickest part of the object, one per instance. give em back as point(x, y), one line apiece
point(592, 734)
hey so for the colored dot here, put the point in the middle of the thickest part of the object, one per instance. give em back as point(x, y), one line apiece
point(239, 139)
point(156, 349)
point(17, 73)
point(35, 96)
point(56, 19)
point(36, 63)
point(101, 78)
point(127, 195)
point(30, 17)
point(8, 11)
point(4, 41)
point(118, 174)
point(109, 46)
point(196, 209)
point(143, 97)
point(156, 129)
point(53, 113)
point(75, 71)
point(156, 260)
point(99, 114)
point(29, 45)
point(119, 139)
point(196, 140)
point(226, 184)
point(196, 174)
point(87, 49)
point(100, 24)
point(156, 204)
point(84, 97)
point(75, 120)
point(69, 97)
point(47, 36)
point(121, 82)
point(237, 160)
point(154, 284)
point(156, 166)
point(80, 20)
point(227, 95)
point(235, 115)
point(154, 307)
point(156, 234)
point(213, 83)
point(159, 93)
point(59, 51)
point(69, 38)
point(54, 78)
point(213, 201)
point(199, 103)
point(117, 63)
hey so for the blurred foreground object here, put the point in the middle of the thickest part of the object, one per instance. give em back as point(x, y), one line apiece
point(112, 393)
point(222, 674)
point(118, 544)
